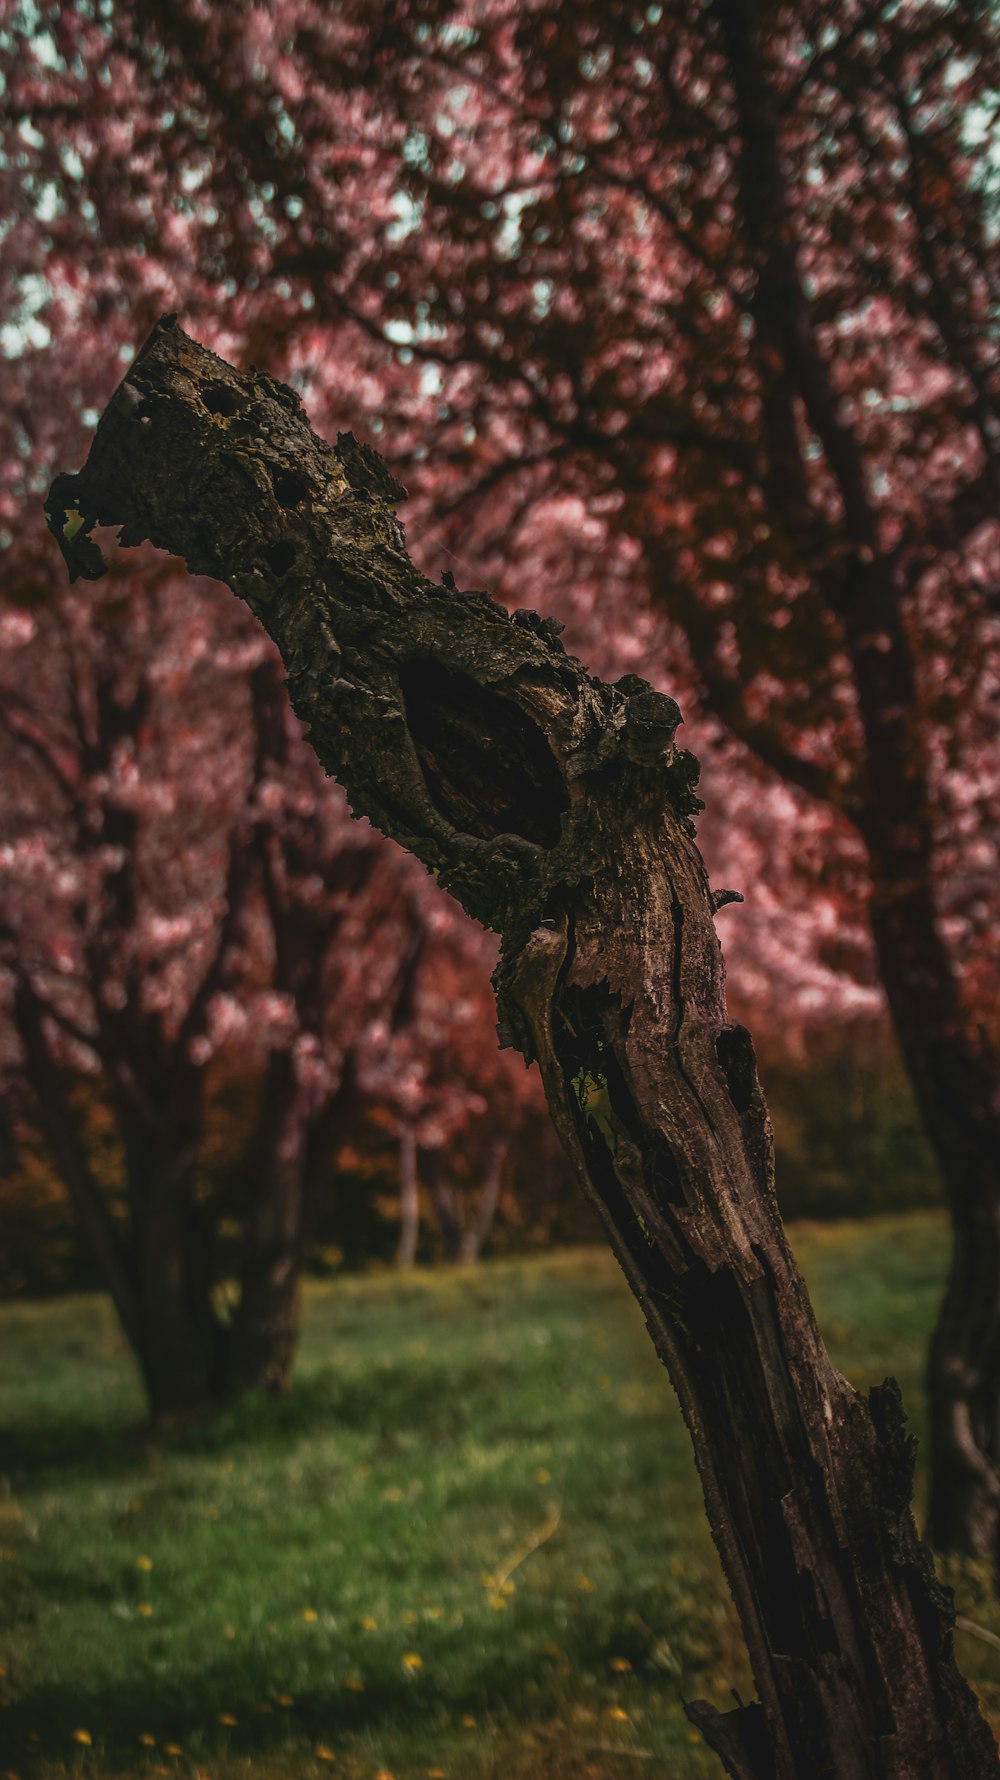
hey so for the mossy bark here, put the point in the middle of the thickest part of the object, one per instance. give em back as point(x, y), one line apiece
point(559, 810)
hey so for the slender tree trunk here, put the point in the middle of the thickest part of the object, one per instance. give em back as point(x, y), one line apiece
point(158, 1280)
point(288, 1165)
point(446, 1200)
point(559, 810)
point(59, 1129)
point(954, 1069)
point(182, 1344)
point(266, 1324)
point(409, 1199)
point(475, 1234)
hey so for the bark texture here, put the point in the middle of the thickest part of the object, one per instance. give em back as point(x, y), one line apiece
point(559, 810)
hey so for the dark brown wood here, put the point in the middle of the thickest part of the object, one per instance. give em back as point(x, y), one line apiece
point(559, 810)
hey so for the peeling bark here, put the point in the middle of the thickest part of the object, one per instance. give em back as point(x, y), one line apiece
point(559, 810)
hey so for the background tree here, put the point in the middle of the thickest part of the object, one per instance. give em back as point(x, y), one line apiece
point(176, 874)
point(457, 1102)
point(560, 809)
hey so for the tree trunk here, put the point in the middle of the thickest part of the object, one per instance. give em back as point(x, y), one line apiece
point(265, 1331)
point(157, 1280)
point(60, 1131)
point(471, 1246)
point(409, 1199)
point(446, 1199)
point(954, 1070)
point(182, 1345)
point(559, 811)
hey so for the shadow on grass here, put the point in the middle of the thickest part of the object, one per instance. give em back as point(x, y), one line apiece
point(185, 1710)
point(400, 1398)
point(513, 1686)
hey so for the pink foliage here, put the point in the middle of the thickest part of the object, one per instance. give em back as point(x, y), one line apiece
point(458, 236)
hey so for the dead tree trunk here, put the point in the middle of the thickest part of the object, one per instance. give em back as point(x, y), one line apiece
point(559, 810)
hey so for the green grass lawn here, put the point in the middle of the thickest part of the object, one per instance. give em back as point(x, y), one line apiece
point(469, 1544)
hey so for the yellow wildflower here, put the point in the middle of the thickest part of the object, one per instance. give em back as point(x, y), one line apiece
point(323, 1753)
point(618, 1713)
point(355, 1683)
point(285, 1699)
point(83, 1737)
point(171, 1749)
point(144, 1563)
point(585, 1585)
point(620, 1665)
point(469, 1723)
point(145, 1608)
point(368, 1624)
point(310, 1615)
point(226, 1718)
point(543, 1476)
point(412, 1662)
point(147, 1739)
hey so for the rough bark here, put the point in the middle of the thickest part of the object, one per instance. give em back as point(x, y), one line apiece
point(953, 1067)
point(558, 809)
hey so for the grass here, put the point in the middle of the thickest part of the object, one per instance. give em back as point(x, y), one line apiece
point(469, 1544)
